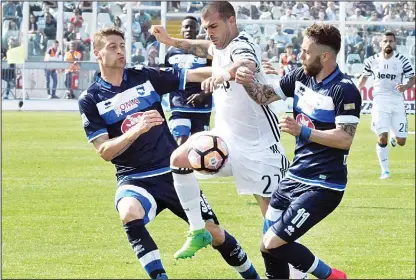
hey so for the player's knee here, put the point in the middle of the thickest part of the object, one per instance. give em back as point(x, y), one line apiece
point(217, 233)
point(382, 139)
point(179, 157)
point(401, 141)
point(130, 209)
point(271, 240)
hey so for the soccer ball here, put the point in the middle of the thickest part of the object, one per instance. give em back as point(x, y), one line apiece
point(208, 154)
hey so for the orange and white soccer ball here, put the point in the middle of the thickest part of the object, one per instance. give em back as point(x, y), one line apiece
point(207, 154)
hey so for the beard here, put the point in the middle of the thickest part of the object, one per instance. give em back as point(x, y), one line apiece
point(313, 68)
point(388, 50)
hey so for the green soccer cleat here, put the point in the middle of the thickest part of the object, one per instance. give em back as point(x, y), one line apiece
point(195, 241)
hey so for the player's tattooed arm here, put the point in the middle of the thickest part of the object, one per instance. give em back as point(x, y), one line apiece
point(261, 94)
point(349, 128)
point(195, 47)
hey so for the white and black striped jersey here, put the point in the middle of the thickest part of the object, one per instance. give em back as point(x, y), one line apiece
point(238, 117)
point(387, 73)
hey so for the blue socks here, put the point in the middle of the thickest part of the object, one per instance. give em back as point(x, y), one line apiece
point(145, 249)
point(302, 259)
point(235, 256)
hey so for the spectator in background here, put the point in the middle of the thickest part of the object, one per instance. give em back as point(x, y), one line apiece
point(300, 9)
point(331, 11)
point(153, 57)
point(137, 57)
point(136, 29)
point(357, 16)
point(119, 24)
point(322, 15)
point(270, 50)
point(72, 55)
point(11, 31)
point(373, 48)
point(77, 19)
point(53, 54)
point(314, 10)
point(70, 34)
point(391, 16)
point(287, 16)
point(9, 10)
point(281, 39)
point(50, 27)
point(287, 60)
point(34, 36)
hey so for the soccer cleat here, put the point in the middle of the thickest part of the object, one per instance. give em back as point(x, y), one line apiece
point(393, 142)
point(337, 274)
point(195, 241)
point(385, 175)
point(162, 276)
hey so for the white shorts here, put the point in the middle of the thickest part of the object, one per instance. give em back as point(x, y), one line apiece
point(391, 116)
point(254, 173)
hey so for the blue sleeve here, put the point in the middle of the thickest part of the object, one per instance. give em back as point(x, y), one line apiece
point(92, 122)
point(347, 102)
point(165, 80)
point(287, 84)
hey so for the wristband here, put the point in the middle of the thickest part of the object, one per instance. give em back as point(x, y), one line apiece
point(225, 74)
point(305, 132)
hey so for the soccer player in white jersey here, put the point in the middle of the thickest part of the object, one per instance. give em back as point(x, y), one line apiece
point(251, 132)
point(387, 68)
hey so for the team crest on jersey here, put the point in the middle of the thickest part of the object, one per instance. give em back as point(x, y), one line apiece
point(130, 121)
point(304, 120)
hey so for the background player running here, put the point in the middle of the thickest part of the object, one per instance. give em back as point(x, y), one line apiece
point(387, 69)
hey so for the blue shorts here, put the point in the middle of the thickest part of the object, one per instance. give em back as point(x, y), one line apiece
point(291, 215)
point(185, 124)
point(157, 194)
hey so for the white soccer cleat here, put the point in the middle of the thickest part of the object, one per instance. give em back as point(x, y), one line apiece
point(393, 142)
point(385, 175)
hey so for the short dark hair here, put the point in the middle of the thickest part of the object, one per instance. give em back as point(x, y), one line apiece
point(390, 33)
point(191, 18)
point(326, 35)
point(224, 8)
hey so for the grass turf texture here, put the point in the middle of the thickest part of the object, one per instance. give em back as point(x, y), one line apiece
point(59, 220)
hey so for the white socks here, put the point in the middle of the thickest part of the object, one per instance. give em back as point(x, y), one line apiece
point(187, 188)
point(383, 157)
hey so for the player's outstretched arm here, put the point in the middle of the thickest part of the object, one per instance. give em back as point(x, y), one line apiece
point(112, 148)
point(261, 94)
point(198, 75)
point(195, 47)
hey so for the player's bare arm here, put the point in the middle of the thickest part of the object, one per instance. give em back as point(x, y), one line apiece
point(410, 83)
point(227, 74)
point(195, 47)
point(361, 81)
point(198, 75)
point(340, 137)
point(112, 148)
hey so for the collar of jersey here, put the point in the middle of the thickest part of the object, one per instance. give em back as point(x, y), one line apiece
point(327, 79)
point(107, 85)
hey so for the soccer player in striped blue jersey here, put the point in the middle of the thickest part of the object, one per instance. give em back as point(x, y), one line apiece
point(123, 118)
point(326, 111)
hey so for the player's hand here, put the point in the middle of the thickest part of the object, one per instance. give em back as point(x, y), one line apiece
point(148, 120)
point(268, 68)
point(160, 33)
point(244, 75)
point(196, 99)
point(401, 88)
point(209, 84)
point(289, 125)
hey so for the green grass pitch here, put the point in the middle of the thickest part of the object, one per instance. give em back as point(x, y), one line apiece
point(59, 220)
